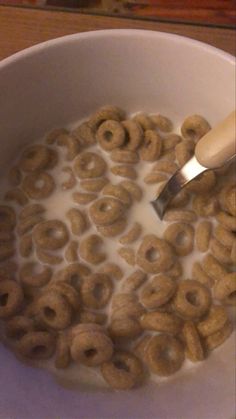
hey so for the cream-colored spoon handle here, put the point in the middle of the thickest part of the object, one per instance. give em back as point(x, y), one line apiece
point(219, 144)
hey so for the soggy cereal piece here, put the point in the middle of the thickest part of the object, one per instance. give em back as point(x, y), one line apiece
point(27, 224)
point(181, 237)
point(219, 337)
point(176, 270)
point(227, 220)
point(112, 270)
point(163, 123)
point(203, 183)
point(71, 252)
point(213, 322)
point(71, 144)
point(110, 135)
point(213, 268)
point(165, 166)
point(31, 209)
point(161, 322)
point(72, 274)
point(37, 345)
point(18, 326)
point(91, 348)
point(125, 171)
point(194, 127)
point(233, 253)
point(200, 275)
point(93, 185)
point(154, 255)
point(62, 354)
point(51, 235)
point(203, 235)
point(26, 246)
point(104, 113)
point(92, 317)
point(68, 292)
point(113, 229)
point(16, 195)
point(220, 252)
point(164, 355)
point(225, 289)
point(224, 236)
point(158, 291)
point(53, 310)
point(133, 188)
point(90, 249)
point(38, 185)
point(140, 348)
point(118, 192)
point(194, 348)
point(192, 299)
point(89, 165)
point(152, 145)
point(134, 135)
point(132, 235)
point(124, 327)
point(11, 298)
point(84, 328)
point(124, 156)
point(83, 198)
point(14, 176)
point(34, 158)
point(183, 152)
point(53, 135)
point(144, 120)
point(155, 177)
point(228, 198)
point(53, 159)
point(169, 142)
point(123, 372)
point(7, 250)
point(7, 218)
point(134, 281)
point(126, 305)
point(70, 182)
point(96, 291)
point(105, 211)
point(205, 205)
point(182, 215)
point(84, 134)
point(33, 274)
point(8, 270)
point(128, 255)
point(78, 221)
point(47, 257)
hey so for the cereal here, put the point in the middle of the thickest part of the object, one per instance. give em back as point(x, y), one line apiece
point(161, 322)
point(62, 354)
point(26, 225)
point(233, 253)
point(34, 158)
point(112, 270)
point(33, 274)
point(78, 221)
point(125, 171)
point(169, 142)
point(134, 281)
point(176, 270)
point(48, 258)
point(227, 220)
point(53, 159)
point(38, 185)
point(7, 218)
point(225, 289)
point(118, 192)
point(154, 255)
point(134, 135)
point(132, 235)
point(68, 292)
point(71, 252)
point(203, 235)
point(228, 198)
point(70, 182)
point(213, 268)
point(194, 127)
point(14, 176)
point(37, 345)
point(106, 112)
point(205, 205)
point(96, 290)
point(192, 299)
point(105, 211)
point(89, 165)
point(93, 185)
point(124, 327)
point(224, 236)
point(113, 229)
point(194, 347)
point(18, 326)
point(124, 156)
point(182, 215)
point(54, 311)
point(202, 183)
point(92, 317)
point(181, 237)
point(7, 250)
point(127, 305)
point(8, 270)
point(90, 249)
point(134, 189)
point(213, 322)
point(84, 134)
point(163, 123)
point(200, 275)
point(140, 348)
point(180, 200)
point(110, 135)
point(16, 195)
point(53, 135)
point(158, 291)
point(72, 274)
point(220, 252)
point(26, 246)
point(165, 166)
point(219, 337)
point(128, 255)
point(144, 120)
point(152, 145)
point(71, 144)
point(91, 348)
point(83, 198)
point(51, 235)
point(30, 210)
point(183, 152)
point(11, 298)
point(155, 177)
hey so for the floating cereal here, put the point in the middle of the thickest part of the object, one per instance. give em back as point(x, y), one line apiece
point(38, 185)
point(132, 235)
point(112, 270)
point(27, 224)
point(202, 183)
point(105, 211)
point(163, 123)
point(200, 275)
point(71, 144)
point(70, 182)
point(225, 289)
point(118, 192)
point(213, 268)
point(228, 198)
point(7, 250)
point(124, 327)
point(152, 145)
point(18, 326)
point(33, 274)
point(91, 348)
point(180, 236)
point(128, 255)
point(124, 171)
point(194, 127)
point(26, 246)
point(53, 310)
point(144, 120)
point(37, 345)
point(124, 156)
point(62, 354)
point(51, 235)
point(71, 252)
point(224, 236)
point(34, 158)
point(96, 291)
point(106, 112)
point(90, 249)
point(113, 229)
point(154, 255)
point(203, 235)
point(134, 281)
point(84, 134)
point(194, 347)
point(14, 176)
point(110, 135)
point(205, 205)
point(134, 189)
point(7, 218)
point(220, 252)
point(30, 210)
point(134, 135)
point(53, 135)
point(48, 258)
point(192, 299)
point(183, 152)
point(155, 177)
point(92, 317)
point(158, 291)
point(219, 337)
point(89, 165)
point(16, 195)
point(11, 298)
point(227, 220)
point(213, 322)
point(93, 185)
point(83, 198)
point(78, 221)
point(73, 274)
point(181, 215)
point(161, 322)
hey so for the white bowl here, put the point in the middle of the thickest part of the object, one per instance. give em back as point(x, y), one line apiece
point(61, 81)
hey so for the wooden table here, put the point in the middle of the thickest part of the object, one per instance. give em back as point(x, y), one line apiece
point(23, 27)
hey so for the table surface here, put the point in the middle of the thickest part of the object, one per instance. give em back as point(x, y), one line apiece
point(23, 27)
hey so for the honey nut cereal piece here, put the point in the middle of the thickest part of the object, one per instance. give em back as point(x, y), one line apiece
point(144, 120)
point(127, 305)
point(214, 321)
point(16, 195)
point(83, 198)
point(134, 189)
point(228, 198)
point(48, 258)
point(7, 218)
point(72, 274)
point(71, 144)
point(224, 236)
point(70, 182)
point(118, 192)
point(123, 372)
point(34, 158)
point(26, 246)
point(168, 155)
point(183, 153)
point(93, 185)
point(92, 317)
point(51, 235)
point(202, 183)
point(84, 134)
point(194, 348)
point(213, 268)
point(134, 281)
point(233, 253)
point(62, 353)
point(53, 159)
point(105, 112)
point(220, 252)
point(225, 289)
point(181, 237)
point(53, 310)
point(194, 127)
point(8, 270)
point(124, 327)
point(203, 235)
point(176, 270)
point(165, 166)
point(89, 165)
point(53, 135)
point(124, 156)
point(200, 275)
point(163, 123)
point(128, 255)
point(96, 291)
point(113, 229)
point(18, 326)
point(170, 141)
point(112, 270)
point(68, 292)
point(85, 328)
point(14, 176)
point(38, 185)
point(132, 235)
point(155, 177)
point(152, 145)
point(164, 355)
point(182, 215)
point(110, 135)
point(205, 205)
point(71, 252)
point(154, 255)
point(134, 135)
point(158, 291)
point(140, 348)
point(11, 298)
point(78, 221)
point(7, 250)
point(30, 210)
point(180, 200)
point(91, 348)
point(105, 211)
point(219, 337)
point(6, 236)
point(27, 224)
point(33, 274)
point(90, 249)
point(37, 345)
point(192, 299)
point(125, 171)
point(227, 220)
point(161, 322)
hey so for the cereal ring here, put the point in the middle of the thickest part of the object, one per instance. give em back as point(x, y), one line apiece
point(128, 255)
point(124, 156)
point(110, 135)
point(96, 291)
point(62, 354)
point(94, 185)
point(34, 158)
point(158, 291)
point(180, 200)
point(105, 211)
point(181, 215)
point(155, 177)
point(73, 274)
point(233, 253)
point(14, 176)
point(37, 345)
point(228, 198)
point(180, 236)
point(165, 166)
point(200, 275)
point(83, 198)
point(134, 189)
point(170, 141)
point(27, 224)
point(144, 120)
point(194, 348)
point(183, 152)
point(124, 171)
point(192, 299)
point(70, 182)
point(33, 274)
point(16, 195)
point(219, 337)
point(106, 112)
point(152, 145)
point(26, 246)
point(71, 144)
point(51, 235)
point(89, 165)
point(225, 289)
point(53, 310)
point(71, 252)
point(163, 123)
point(203, 235)
point(11, 298)
point(30, 210)
point(112, 270)
point(84, 134)
point(91, 349)
point(205, 205)
point(125, 327)
point(18, 326)
point(140, 348)
point(161, 322)
point(134, 281)
point(48, 258)
point(38, 185)
point(118, 192)
point(78, 221)
point(214, 321)
point(132, 235)
point(154, 255)
point(92, 317)
point(164, 355)
point(8, 270)
point(224, 236)
point(68, 292)
point(227, 220)
point(90, 249)
point(194, 127)
point(134, 135)
point(7, 250)
point(7, 218)
point(113, 229)
point(176, 270)
point(220, 252)
point(213, 268)
point(53, 135)
point(85, 328)
point(123, 372)
point(202, 183)
point(126, 305)
point(53, 159)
